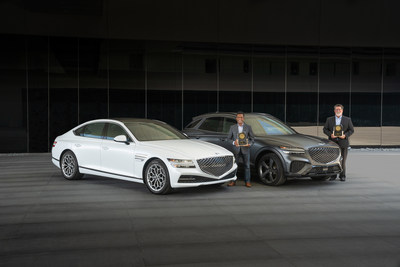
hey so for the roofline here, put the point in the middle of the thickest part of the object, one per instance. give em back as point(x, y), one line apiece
point(211, 114)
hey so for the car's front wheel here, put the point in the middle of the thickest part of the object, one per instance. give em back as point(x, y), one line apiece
point(270, 170)
point(156, 177)
point(69, 166)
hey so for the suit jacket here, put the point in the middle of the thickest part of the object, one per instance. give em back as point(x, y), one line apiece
point(233, 135)
point(348, 130)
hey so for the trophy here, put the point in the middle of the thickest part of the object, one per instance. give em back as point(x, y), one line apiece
point(338, 130)
point(242, 139)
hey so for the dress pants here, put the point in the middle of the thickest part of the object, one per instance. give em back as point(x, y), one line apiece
point(344, 151)
point(246, 162)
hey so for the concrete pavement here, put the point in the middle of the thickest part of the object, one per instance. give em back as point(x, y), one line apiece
point(46, 220)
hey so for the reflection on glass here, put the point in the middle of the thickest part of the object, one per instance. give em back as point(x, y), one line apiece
point(38, 97)
point(269, 81)
point(235, 79)
point(264, 126)
point(13, 120)
point(153, 131)
point(63, 80)
point(127, 79)
point(302, 86)
point(93, 99)
point(200, 82)
point(334, 81)
point(164, 83)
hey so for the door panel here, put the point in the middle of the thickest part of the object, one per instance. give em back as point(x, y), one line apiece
point(117, 157)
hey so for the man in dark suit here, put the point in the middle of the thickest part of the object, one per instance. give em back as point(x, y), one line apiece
point(241, 147)
point(343, 139)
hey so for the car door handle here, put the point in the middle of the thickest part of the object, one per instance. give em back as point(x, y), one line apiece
point(105, 148)
point(78, 145)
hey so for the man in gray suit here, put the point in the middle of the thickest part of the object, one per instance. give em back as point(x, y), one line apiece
point(343, 139)
point(241, 147)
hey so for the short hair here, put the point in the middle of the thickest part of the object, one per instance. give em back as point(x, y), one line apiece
point(240, 112)
point(338, 105)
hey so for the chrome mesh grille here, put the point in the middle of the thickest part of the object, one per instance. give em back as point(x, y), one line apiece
point(216, 166)
point(324, 154)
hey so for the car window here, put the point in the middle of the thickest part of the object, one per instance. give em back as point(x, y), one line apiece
point(212, 124)
point(79, 131)
point(192, 124)
point(154, 131)
point(263, 126)
point(227, 124)
point(93, 130)
point(114, 130)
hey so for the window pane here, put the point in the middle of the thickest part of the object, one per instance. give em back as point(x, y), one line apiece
point(38, 96)
point(13, 130)
point(212, 124)
point(269, 81)
point(63, 85)
point(302, 86)
point(92, 79)
point(114, 130)
point(391, 98)
point(227, 125)
point(164, 73)
point(94, 130)
point(235, 79)
point(200, 82)
point(334, 85)
point(127, 79)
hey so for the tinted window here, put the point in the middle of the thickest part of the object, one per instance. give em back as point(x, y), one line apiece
point(114, 130)
point(153, 131)
point(192, 124)
point(79, 131)
point(212, 124)
point(94, 130)
point(227, 124)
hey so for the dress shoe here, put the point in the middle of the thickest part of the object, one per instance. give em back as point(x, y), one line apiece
point(343, 178)
point(232, 183)
point(333, 178)
point(247, 184)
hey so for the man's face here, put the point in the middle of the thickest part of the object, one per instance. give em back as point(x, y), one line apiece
point(240, 119)
point(338, 111)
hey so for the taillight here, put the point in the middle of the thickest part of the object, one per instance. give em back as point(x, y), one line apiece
point(54, 143)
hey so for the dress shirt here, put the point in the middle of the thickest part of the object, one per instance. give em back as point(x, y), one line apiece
point(338, 120)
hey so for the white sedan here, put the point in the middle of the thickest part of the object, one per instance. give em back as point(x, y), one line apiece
point(143, 151)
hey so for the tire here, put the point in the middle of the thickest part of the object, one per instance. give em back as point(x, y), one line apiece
point(320, 178)
point(69, 166)
point(156, 178)
point(270, 170)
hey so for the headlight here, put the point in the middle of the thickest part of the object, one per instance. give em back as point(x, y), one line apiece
point(181, 163)
point(292, 150)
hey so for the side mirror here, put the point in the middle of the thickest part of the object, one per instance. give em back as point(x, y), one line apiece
point(121, 139)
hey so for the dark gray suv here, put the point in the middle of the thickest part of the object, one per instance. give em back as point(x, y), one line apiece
point(279, 151)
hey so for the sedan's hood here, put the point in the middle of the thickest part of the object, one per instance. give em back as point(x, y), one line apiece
point(295, 140)
point(186, 148)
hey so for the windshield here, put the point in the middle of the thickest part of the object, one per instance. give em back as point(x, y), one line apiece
point(263, 126)
point(153, 131)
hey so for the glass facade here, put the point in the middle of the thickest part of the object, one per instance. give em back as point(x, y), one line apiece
point(50, 84)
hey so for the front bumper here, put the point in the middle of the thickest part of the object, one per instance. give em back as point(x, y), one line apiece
point(305, 169)
point(181, 178)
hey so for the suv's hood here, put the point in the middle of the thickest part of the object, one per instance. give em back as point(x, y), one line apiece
point(295, 140)
point(186, 148)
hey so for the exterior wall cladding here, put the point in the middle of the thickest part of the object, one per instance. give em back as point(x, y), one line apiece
point(66, 62)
